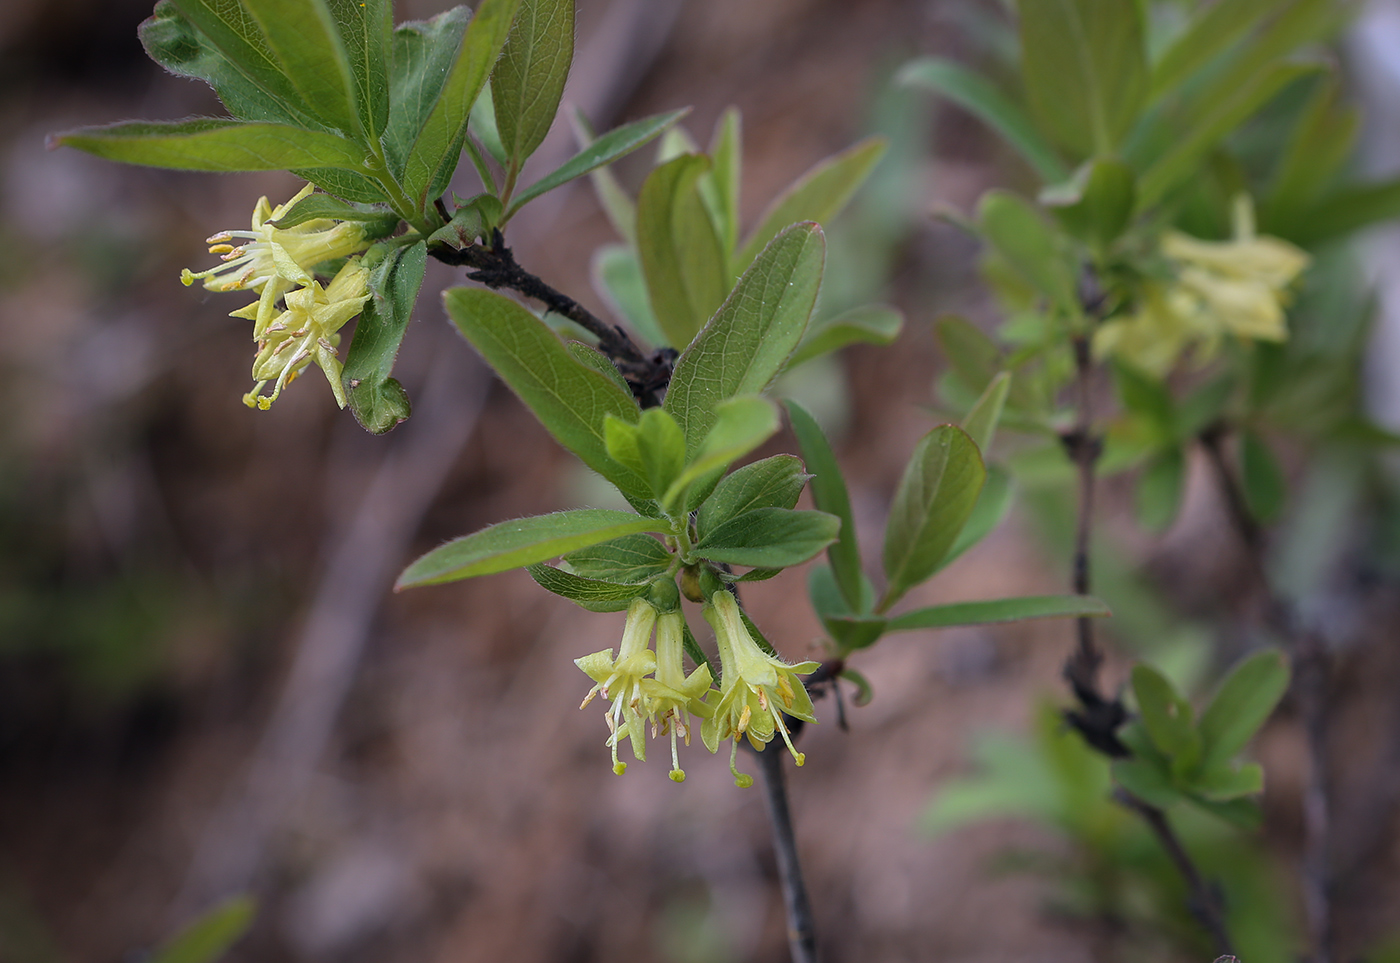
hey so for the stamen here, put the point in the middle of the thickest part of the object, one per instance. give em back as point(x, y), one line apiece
point(744, 718)
point(797, 757)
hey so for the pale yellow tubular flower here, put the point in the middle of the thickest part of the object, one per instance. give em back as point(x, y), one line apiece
point(756, 689)
point(307, 331)
point(620, 681)
point(1238, 287)
point(272, 260)
point(672, 697)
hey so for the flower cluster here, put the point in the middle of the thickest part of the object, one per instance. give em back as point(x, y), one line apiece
point(645, 689)
point(277, 264)
point(1237, 287)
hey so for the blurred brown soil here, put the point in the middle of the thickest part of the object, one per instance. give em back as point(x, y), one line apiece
point(465, 810)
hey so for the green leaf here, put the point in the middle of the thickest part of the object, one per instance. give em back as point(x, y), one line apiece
point(999, 610)
point(1218, 117)
point(974, 356)
point(993, 503)
point(210, 936)
point(981, 422)
point(522, 542)
point(976, 95)
point(366, 28)
point(1212, 30)
point(749, 340)
point(302, 38)
point(741, 425)
point(877, 324)
point(727, 156)
point(1320, 143)
point(1265, 489)
point(680, 252)
point(1158, 496)
point(853, 632)
point(1165, 715)
point(174, 42)
point(344, 184)
point(616, 203)
point(424, 51)
point(774, 482)
point(592, 594)
point(1346, 210)
point(570, 399)
point(1226, 782)
point(616, 143)
point(1095, 205)
point(1021, 236)
point(617, 277)
point(436, 146)
point(598, 361)
point(830, 495)
point(213, 144)
point(1243, 814)
point(482, 124)
point(817, 196)
point(1148, 398)
point(240, 40)
point(379, 401)
point(1149, 779)
point(935, 498)
point(653, 448)
point(378, 223)
point(770, 538)
point(529, 78)
point(1085, 69)
point(1243, 703)
point(629, 559)
point(472, 221)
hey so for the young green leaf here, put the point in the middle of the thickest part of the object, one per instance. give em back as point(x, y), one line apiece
point(1149, 779)
point(616, 143)
point(653, 448)
point(616, 203)
point(817, 195)
point(1158, 496)
point(981, 422)
point(175, 43)
point(592, 594)
point(1167, 716)
point(935, 498)
point(521, 542)
point(1242, 704)
point(617, 277)
point(770, 537)
point(999, 610)
point(680, 251)
point(853, 632)
point(993, 504)
point(211, 936)
point(437, 144)
point(727, 156)
point(774, 482)
point(976, 95)
point(1226, 783)
point(830, 495)
point(877, 324)
point(423, 54)
point(1026, 241)
point(1097, 203)
point(1209, 33)
point(379, 401)
point(570, 399)
point(629, 559)
point(1265, 488)
point(301, 36)
point(529, 78)
point(1084, 63)
point(749, 340)
point(741, 425)
point(974, 356)
point(213, 144)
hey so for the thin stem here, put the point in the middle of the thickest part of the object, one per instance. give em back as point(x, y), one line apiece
point(1311, 673)
point(496, 267)
point(802, 933)
point(1204, 901)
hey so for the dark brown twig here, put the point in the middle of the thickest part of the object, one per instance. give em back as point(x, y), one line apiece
point(496, 267)
point(802, 933)
point(1311, 675)
point(1204, 901)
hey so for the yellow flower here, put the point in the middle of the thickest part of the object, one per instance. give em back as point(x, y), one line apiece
point(620, 681)
point(1238, 287)
point(272, 260)
point(756, 689)
point(307, 331)
point(672, 696)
